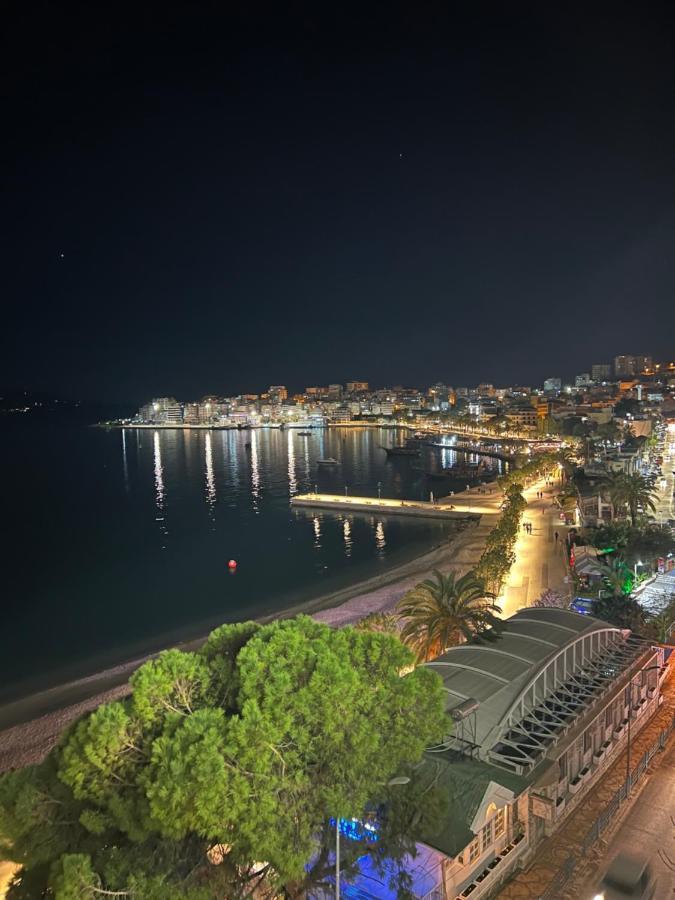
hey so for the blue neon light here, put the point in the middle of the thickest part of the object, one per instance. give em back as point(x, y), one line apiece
point(356, 830)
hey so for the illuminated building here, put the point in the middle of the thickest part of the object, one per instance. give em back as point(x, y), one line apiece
point(625, 366)
point(278, 393)
point(601, 372)
point(539, 715)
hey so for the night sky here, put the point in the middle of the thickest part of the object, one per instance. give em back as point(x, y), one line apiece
point(199, 200)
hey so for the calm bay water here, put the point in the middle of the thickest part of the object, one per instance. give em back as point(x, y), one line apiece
point(117, 542)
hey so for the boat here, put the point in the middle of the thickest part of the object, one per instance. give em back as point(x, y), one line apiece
point(402, 451)
point(439, 476)
point(304, 433)
point(328, 461)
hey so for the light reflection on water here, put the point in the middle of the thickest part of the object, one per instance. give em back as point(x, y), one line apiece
point(347, 534)
point(210, 477)
point(255, 472)
point(292, 480)
point(159, 485)
point(380, 540)
point(125, 465)
point(146, 522)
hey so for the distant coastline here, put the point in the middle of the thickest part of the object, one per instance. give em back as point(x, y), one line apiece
point(182, 426)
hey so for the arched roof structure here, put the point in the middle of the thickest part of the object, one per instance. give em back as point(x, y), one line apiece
point(531, 683)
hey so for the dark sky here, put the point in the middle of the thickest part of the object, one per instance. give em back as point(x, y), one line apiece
point(452, 191)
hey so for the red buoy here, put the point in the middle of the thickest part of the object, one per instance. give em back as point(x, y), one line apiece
point(232, 564)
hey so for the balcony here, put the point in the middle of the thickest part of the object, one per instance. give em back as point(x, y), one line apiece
point(497, 869)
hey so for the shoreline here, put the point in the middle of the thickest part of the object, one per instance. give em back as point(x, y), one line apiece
point(30, 726)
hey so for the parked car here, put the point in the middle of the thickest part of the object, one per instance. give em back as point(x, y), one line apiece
point(627, 876)
point(582, 605)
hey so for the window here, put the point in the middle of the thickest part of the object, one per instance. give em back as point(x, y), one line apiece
point(474, 850)
point(588, 741)
point(609, 715)
point(486, 836)
point(562, 767)
point(500, 822)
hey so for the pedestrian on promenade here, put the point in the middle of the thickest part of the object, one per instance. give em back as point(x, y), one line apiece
point(555, 535)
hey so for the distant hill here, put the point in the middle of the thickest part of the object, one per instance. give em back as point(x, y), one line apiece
point(37, 404)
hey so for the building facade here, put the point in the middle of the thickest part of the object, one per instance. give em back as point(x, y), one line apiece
point(539, 713)
point(601, 372)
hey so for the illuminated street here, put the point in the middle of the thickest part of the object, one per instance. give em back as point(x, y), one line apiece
point(6, 871)
point(648, 830)
point(665, 487)
point(540, 560)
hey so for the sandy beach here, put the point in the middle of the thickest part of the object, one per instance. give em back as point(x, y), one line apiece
point(32, 725)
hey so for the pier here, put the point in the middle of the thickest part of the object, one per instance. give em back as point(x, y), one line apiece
point(447, 508)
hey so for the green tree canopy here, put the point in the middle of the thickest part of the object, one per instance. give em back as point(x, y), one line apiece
point(236, 754)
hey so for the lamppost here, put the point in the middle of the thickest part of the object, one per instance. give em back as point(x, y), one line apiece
point(394, 782)
point(379, 490)
point(630, 716)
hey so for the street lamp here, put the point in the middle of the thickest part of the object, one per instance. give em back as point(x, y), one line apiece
point(393, 782)
point(630, 716)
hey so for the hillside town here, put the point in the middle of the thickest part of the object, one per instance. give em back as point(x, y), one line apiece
point(628, 392)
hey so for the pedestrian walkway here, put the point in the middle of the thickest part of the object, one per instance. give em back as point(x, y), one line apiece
point(540, 559)
point(553, 853)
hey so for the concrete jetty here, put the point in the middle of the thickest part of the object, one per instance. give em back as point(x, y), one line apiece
point(442, 509)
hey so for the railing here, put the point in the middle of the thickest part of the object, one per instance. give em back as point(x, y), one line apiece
point(563, 875)
point(494, 872)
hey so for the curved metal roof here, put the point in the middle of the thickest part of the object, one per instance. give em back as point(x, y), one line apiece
point(530, 680)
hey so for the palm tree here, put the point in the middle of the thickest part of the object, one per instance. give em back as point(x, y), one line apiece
point(616, 577)
point(567, 459)
point(444, 612)
point(632, 492)
point(609, 432)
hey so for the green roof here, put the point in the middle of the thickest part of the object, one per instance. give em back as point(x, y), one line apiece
point(463, 782)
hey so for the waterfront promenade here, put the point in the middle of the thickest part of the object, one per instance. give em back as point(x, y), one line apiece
point(540, 560)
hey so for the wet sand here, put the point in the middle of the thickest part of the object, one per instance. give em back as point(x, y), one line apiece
point(32, 725)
